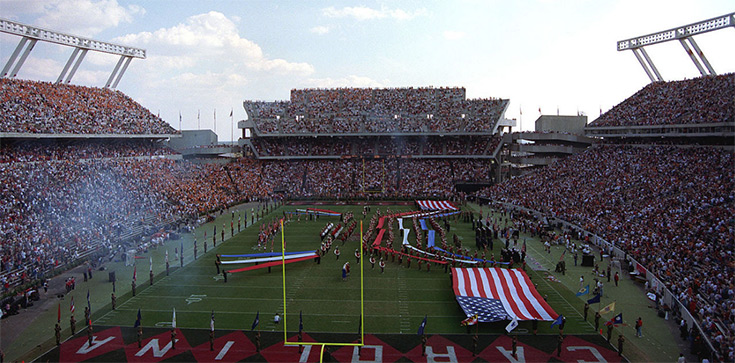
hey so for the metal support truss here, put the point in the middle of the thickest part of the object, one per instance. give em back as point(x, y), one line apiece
point(685, 36)
point(26, 46)
point(76, 58)
point(115, 76)
point(31, 34)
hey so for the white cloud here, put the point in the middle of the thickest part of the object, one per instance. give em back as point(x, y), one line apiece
point(84, 17)
point(204, 63)
point(366, 13)
point(321, 30)
point(209, 40)
point(454, 35)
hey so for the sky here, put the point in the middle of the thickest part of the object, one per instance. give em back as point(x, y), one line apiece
point(206, 57)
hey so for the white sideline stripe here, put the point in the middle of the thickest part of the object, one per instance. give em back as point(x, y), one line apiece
point(268, 259)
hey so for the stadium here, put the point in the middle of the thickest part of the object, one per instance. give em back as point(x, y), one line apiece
point(367, 224)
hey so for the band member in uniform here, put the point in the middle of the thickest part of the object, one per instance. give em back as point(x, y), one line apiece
point(58, 334)
point(173, 338)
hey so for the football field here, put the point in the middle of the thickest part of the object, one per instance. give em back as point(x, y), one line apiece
point(395, 301)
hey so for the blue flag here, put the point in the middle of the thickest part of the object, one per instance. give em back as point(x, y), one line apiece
point(584, 291)
point(558, 320)
point(617, 320)
point(422, 326)
point(301, 321)
point(256, 321)
point(595, 299)
point(89, 305)
point(137, 321)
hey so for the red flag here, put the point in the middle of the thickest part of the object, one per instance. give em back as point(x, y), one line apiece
point(71, 306)
point(135, 272)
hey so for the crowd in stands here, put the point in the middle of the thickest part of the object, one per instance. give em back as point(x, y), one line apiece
point(671, 208)
point(44, 107)
point(387, 110)
point(691, 101)
point(26, 151)
point(384, 146)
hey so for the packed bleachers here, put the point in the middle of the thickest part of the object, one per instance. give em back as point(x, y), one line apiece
point(669, 207)
point(384, 146)
point(43, 107)
point(24, 151)
point(691, 101)
point(388, 110)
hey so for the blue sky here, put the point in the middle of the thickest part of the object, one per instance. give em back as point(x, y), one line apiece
point(207, 55)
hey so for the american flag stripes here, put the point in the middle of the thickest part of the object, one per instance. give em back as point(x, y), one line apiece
point(436, 205)
point(499, 294)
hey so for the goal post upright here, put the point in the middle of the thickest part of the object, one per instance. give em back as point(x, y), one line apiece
point(362, 299)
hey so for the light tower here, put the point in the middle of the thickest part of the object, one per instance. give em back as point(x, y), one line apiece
point(685, 34)
point(31, 34)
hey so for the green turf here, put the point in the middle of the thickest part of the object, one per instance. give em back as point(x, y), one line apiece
point(395, 301)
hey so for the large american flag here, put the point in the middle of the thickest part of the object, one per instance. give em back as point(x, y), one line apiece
point(499, 294)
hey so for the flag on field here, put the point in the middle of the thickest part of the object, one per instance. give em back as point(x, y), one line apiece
point(211, 322)
point(173, 320)
point(584, 291)
point(256, 321)
point(89, 305)
point(137, 321)
point(422, 326)
point(471, 320)
point(230, 112)
point(71, 306)
point(617, 320)
point(436, 205)
point(512, 325)
point(496, 294)
point(595, 299)
point(135, 272)
point(563, 253)
point(558, 320)
point(608, 309)
point(59, 314)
